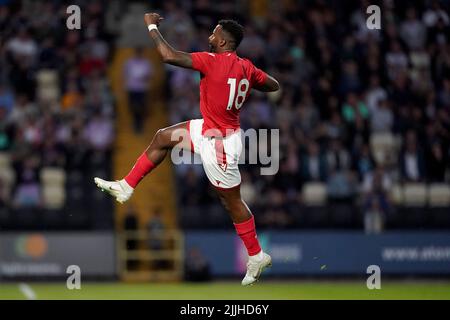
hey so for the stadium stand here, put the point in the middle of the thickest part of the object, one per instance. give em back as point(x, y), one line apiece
point(56, 117)
point(380, 96)
point(370, 109)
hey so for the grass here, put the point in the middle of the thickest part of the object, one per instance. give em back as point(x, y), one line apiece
point(295, 290)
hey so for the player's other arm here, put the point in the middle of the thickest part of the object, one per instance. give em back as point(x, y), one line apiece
point(167, 52)
point(270, 84)
point(262, 81)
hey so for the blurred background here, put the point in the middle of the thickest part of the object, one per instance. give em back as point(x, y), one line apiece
point(364, 119)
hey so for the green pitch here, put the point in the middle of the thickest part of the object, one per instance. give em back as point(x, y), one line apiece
point(297, 290)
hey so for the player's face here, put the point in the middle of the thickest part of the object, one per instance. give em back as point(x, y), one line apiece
point(214, 39)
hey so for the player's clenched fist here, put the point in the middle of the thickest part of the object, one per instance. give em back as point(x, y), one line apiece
point(152, 18)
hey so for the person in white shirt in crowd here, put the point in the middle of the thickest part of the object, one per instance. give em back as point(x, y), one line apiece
point(138, 71)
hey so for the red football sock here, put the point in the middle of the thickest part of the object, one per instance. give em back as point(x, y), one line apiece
point(247, 231)
point(140, 169)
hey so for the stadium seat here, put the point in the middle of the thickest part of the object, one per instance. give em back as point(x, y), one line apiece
point(314, 194)
point(53, 187)
point(52, 176)
point(7, 174)
point(439, 195)
point(47, 77)
point(54, 197)
point(314, 210)
point(412, 213)
point(439, 205)
point(48, 94)
point(384, 147)
point(7, 179)
point(5, 160)
point(396, 194)
point(414, 194)
point(47, 85)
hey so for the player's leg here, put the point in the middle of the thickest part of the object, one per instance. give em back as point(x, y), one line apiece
point(220, 158)
point(244, 223)
point(163, 141)
point(235, 206)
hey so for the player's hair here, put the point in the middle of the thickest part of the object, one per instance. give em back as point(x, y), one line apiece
point(234, 29)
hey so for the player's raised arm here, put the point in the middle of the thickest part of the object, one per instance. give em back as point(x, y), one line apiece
point(167, 52)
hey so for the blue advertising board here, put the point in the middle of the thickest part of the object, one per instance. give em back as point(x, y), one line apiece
point(329, 253)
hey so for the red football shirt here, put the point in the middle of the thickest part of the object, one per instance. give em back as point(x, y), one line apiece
point(225, 84)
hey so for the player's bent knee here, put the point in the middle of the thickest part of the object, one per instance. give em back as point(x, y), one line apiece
point(161, 138)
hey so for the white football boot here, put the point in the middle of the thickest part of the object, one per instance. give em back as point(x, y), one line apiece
point(120, 189)
point(254, 268)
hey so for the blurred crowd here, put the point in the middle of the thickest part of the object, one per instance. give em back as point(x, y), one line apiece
point(346, 90)
point(342, 85)
point(56, 107)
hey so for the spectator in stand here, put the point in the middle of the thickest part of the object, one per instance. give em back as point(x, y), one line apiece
point(156, 228)
point(28, 191)
point(382, 118)
point(436, 163)
point(374, 216)
point(37, 132)
point(396, 60)
point(434, 14)
point(6, 131)
point(412, 162)
point(341, 185)
point(444, 94)
point(376, 203)
point(99, 132)
point(353, 107)
point(341, 83)
point(138, 71)
point(314, 164)
point(375, 94)
point(338, 158)
point(275, 215)
point(197, 268)
point(363, 161)
point(22, 46)
point(413, 31)
point(6, 98)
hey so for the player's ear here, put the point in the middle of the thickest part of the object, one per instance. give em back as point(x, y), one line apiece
point(222, 43)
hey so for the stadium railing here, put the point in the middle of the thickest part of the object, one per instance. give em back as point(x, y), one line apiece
point(145, 256)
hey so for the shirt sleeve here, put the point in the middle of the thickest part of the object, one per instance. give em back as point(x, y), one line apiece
point(258, 77)
point(202, 61)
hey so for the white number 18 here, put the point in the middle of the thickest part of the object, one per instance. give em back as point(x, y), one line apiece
point(242, 93)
